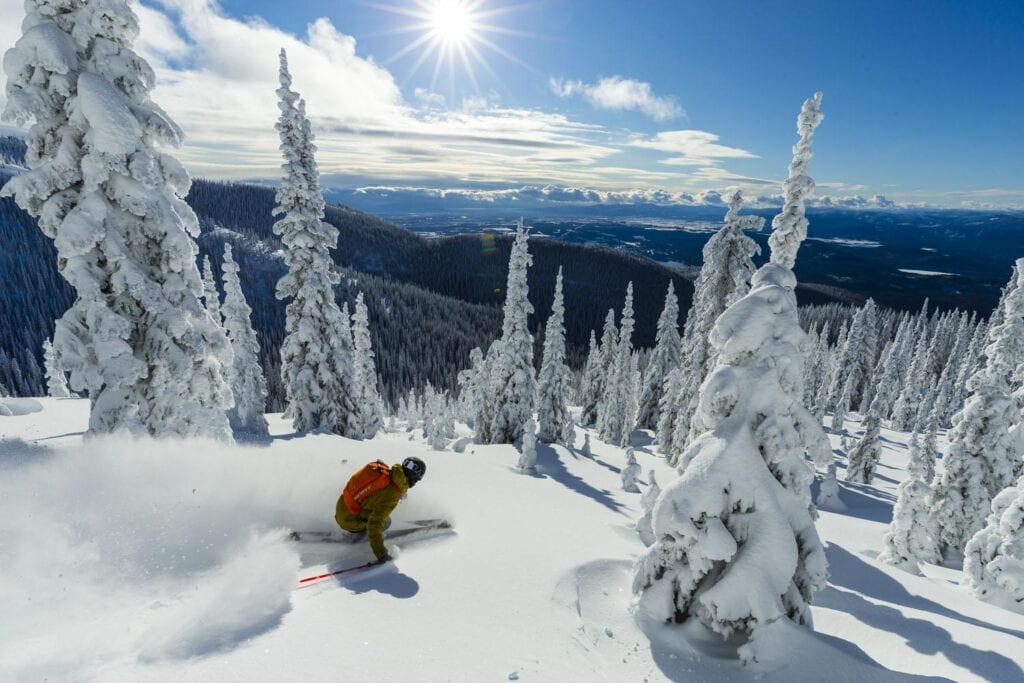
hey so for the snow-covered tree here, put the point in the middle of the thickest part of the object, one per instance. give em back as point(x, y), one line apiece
point(316, 371)
point(248, 385)
point(913, 534)
point(591, 384)
point(665, 357)
point(982, 458)
point(647, 501)
point(724, 278)
point(528, 453)
point(472, 385)
point(585, 450)
point(555, 379)
point(615, 422)
point(828, 492)
point(994, 557)
point(862, 460)
point(630, 473)
point(512, 386)
point(137, 337)
point(211, 299)
point(748, 471)
point(914, 388)
point(56, 381)
point(438, 426)
point(369, 406)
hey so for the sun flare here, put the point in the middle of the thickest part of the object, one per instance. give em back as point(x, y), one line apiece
point(454, 33)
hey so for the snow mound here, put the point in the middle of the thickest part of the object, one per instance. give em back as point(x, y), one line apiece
point(15, 407)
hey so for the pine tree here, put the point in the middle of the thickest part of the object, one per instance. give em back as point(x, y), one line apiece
point(914, 386)
point(614, 421)
point(369, 406)
point(472, 384)
point(647, 501)
point(861, 463)
point(211, 299)
point(913, 535)
point(724, 278)
point(630, 473)
point(513, 385)
point(592, 384)
point(667, 346)
point(137, 337)
point(555, 378)
point(994, 557)
point(982, 453)
point(316, 373)
point(748, 471)
point(528, 455)
point(248, 385)
point(56, 382)
point(828, 492)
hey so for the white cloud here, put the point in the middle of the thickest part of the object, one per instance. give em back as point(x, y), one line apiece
point(429, 99)
point(616, 92)
point(690, 147)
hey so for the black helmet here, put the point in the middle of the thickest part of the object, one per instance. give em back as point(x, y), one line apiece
point(414, 469)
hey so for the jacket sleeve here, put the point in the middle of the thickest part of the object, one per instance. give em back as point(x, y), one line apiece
point(375, 524)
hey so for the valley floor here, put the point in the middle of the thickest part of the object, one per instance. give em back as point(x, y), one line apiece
point(125, 560)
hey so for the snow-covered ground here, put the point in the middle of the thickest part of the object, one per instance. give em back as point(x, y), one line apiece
point(128, 560)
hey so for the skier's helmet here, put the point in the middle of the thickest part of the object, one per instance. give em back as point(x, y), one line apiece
point(414, 469)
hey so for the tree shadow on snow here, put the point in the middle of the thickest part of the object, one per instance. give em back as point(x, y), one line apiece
point(550, 464)
point(388, 580)
point(847, 571)
point(861, 501)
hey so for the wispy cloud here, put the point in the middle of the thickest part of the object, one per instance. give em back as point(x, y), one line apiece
point(690, 147)
point(616, 92)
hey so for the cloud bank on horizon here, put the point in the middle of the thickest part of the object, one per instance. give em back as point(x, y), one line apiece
point(217, 75)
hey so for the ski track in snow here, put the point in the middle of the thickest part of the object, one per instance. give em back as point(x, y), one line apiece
point(162, 561)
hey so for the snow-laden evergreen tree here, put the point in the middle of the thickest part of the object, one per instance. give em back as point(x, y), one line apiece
point(828, 492)
point(248, 385)
point(512, 386)
point(369, 406)
point(951, 369)
point(614, 422)
point(528, 452)
point(982, 458)
point(316, 371)
point(585, 450)
point(863, 459)
point(857, 357)
point(672, 400)
point(748, 471)
point(667, 346)
point(994, 557)
point(724, 278)
point(555, 379)
point(56, 381)
point(472, 385)
point(137, 337)
point(591, 384)
point(438, 426)
point(211, 299)
point(836, 381)
point(974, 360)
point(647, 501)
point(913, 534)
point(839, 412)
point(630, 473)
point(914, 386)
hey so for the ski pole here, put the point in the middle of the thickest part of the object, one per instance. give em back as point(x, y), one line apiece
point(340, 571)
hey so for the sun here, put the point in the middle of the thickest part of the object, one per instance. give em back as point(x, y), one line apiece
point(455, 33)
point(452, 21)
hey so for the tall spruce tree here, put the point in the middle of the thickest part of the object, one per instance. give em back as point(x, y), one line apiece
point(316, 372)
point(512, 385)
point(615, 422)
point(748, 471)
point(982, 458)
point(665, 357)
point(553, 383)
point(369, 406)
point(248, 385)
point(137, 337)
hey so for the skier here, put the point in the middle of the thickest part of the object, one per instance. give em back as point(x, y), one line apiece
point(371, 495)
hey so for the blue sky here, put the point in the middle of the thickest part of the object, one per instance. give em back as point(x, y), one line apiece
point(923, 100)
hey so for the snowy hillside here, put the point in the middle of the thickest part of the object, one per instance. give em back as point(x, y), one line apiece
point(168, 560)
